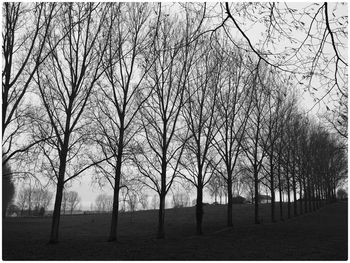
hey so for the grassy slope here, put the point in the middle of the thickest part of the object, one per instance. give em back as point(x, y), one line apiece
point(317, 235)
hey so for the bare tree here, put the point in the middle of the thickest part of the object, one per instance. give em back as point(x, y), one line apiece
point(73, 201)
point(287, 155)
point(216, 186)
point(280, 146)
point(25, 32)
point(278, 94)
point(41, 198)
point(180, 197)
point(132, 201)
point(104, 203)
point(233, 108)
point(157, 158)
point(318, 52)
point(143, 199)
point(255, 129)
point(115, 105)
point(22, 199)
point(199, 114)
point(33, 197)
point(65, 82)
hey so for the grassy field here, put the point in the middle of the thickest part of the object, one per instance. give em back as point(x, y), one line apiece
point(320, 235)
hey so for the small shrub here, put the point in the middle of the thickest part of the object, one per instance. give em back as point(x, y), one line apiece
point(238, 200)
point(42, 211)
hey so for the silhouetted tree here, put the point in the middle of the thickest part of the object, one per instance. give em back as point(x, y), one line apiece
point(115, 104)
point(26, 28)
point(65, 82)
point(157, 156)
point(199, 115)
point(256, 129)
point(233, 107)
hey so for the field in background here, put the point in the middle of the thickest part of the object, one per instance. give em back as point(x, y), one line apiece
point(316, 235)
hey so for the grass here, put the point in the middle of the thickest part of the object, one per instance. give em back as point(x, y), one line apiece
point(319, 235)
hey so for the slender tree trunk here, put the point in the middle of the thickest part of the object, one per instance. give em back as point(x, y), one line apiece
point(199, 207)
point(59, 192)
point(161, 216)
point(288, 185)
point(288, 196)
point(272, 187)
point(256, 201)
point(313, 198)
point(305, 195)
point(310, 196)
point(300, 196)
point(294, 185)
point(317, 197)
point(115, 210)
point(56, 214)
point(229, 204)
point(280, 187)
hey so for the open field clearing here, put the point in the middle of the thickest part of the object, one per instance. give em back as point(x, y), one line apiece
point(319, 235)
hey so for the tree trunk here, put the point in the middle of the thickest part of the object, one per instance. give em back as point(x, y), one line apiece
point(256, 201)
point(272, 186)
point(161, 216)
point(317, 197)
point(313, 198)
point(59, 192)
point(118, 173)
point(295, 208)
point(56, 213)
point(294, 185)
point(300, 196)
point(115, 210)
point(288, 197)
point(305, 195)
point(199, 207)
point(229, 204)
point(273, 206)
point(280, 188)
point(162, 194)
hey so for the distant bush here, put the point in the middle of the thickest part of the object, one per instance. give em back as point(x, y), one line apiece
point(13, 210)
point(42, 211)
point(342, 194)
point(238, 200)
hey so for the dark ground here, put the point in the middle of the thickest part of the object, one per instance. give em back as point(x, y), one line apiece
point(320, 235)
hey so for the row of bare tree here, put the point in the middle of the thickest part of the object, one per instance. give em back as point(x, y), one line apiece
point(31, 199)
point(144, 97)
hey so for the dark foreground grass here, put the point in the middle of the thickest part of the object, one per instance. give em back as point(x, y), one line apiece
point(320, 235)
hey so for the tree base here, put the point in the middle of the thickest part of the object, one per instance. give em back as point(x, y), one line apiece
point(52, 242)
point(112, 239)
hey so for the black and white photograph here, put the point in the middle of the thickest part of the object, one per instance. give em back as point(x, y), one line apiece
point(175, 131)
